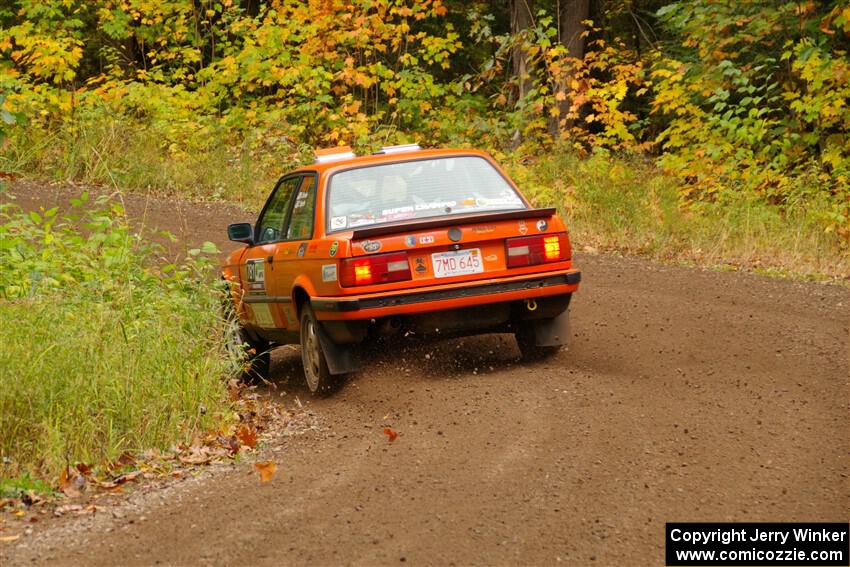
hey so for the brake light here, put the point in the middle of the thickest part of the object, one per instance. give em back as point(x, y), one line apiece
point(552, 248)
point(378, 269)
point(362, 273)
point(538, 249)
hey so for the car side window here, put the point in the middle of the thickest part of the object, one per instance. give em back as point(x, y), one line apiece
point(301, 220)
point(270, 226)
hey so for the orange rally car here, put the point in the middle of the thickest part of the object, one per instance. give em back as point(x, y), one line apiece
point(437, 243)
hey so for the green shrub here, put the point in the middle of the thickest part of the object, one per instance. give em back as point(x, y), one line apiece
point(103, 351)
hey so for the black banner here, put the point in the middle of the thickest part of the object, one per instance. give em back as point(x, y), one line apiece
point(763, 544)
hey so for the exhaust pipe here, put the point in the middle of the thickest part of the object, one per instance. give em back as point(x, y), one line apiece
point(389, 326)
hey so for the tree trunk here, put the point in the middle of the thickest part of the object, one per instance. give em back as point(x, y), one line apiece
point(522, 12)
point(571, 14)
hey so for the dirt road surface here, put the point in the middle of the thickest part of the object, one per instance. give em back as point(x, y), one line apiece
point(686, 395)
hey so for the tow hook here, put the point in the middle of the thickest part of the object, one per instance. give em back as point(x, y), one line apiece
point(531, 305)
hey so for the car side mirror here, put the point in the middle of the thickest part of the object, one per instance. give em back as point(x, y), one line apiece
point(241, 232)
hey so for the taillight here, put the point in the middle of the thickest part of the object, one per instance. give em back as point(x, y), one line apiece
point(538, 249)
point(378, 269)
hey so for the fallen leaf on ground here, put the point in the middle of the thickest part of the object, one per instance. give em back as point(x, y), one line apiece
point(247, 436)
point(391, 435)
point(126, 459)
point(233, 445)
point(84, 469)
point(234, 390)
point(197, 456)
point(71, 486)
point(266, 470)
point(30, 498)
point(8, 538)
point(123, 479)
point(62, 510)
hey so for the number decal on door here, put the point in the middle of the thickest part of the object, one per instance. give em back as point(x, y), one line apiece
point(256, 275)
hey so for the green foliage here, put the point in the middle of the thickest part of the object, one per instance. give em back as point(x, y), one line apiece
point(22, 485)
point(754, 100)
point(104, 351)
point(585, 100)
point(7, 119)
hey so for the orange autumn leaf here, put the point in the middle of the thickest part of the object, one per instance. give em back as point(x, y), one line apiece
point(247, 436)
point(266, 470)
point(391, 435)
point(67, 484)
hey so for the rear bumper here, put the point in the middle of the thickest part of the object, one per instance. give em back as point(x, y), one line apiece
point(422, 301)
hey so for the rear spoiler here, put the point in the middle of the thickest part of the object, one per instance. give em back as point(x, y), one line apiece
point(455, 220)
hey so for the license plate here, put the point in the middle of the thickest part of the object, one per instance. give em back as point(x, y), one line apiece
point(457, 263)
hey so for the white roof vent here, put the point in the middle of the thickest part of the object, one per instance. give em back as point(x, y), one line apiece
point(399, 149)
point(337, 153)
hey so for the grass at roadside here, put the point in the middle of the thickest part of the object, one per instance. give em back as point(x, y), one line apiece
point(103, 350)
point(628, 205)
point(212, 165)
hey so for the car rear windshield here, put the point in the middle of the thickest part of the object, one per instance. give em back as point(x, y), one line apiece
point(394, 192)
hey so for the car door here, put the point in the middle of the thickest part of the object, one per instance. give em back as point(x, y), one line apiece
point(257, 269)
point(295, 254)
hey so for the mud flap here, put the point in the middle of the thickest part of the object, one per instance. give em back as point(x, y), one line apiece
point(341, 359)
point(552, 332)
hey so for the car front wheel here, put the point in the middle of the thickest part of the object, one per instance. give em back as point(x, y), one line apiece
point(319, 379)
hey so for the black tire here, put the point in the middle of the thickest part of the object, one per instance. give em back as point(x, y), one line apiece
point(531, 352)
point(252, 356)
point(318, 377)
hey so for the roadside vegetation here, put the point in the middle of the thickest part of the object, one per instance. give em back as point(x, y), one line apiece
point(627, 205)
point(105, 350)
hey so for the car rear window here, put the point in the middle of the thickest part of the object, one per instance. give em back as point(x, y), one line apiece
point(393, 192)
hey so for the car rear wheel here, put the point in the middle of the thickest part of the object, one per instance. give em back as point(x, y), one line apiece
point(528, 348)
point(316, 373)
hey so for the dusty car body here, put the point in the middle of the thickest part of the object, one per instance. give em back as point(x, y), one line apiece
point(433, 243)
